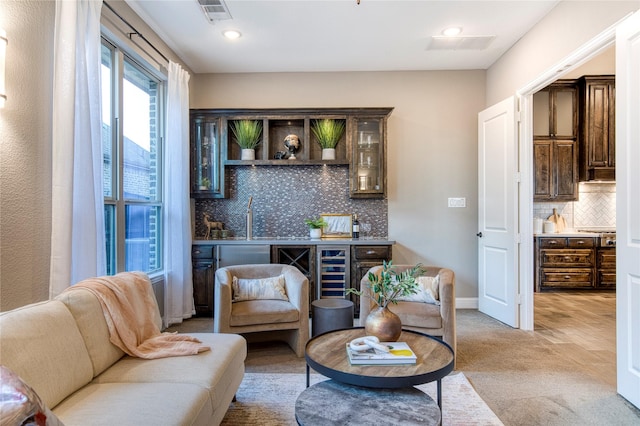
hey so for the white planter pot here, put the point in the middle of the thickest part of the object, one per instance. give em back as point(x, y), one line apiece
point(328, 153)
point(248, 154)
point(315, 233)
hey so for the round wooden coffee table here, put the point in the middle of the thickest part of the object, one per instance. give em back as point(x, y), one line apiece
point(327, 355)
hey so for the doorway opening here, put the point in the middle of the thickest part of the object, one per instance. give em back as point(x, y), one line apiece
point(574, 62)
point(566, 275)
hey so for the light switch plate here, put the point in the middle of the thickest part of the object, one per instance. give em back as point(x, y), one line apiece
point(458, 202)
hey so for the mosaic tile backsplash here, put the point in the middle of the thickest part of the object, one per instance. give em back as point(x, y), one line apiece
point(596, 207)
point(283, 196)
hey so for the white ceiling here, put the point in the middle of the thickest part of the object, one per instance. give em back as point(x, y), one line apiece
point(338, 35)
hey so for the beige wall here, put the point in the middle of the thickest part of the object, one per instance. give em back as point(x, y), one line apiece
point(432, 148)
point(25, 147)
point(25, 153)
point(567, 27)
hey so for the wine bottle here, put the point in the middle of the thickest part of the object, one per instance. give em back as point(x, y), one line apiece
point(355, 227)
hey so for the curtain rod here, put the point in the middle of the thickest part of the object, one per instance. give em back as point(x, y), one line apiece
point(135, 32)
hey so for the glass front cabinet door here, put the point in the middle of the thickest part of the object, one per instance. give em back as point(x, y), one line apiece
point(368, 178)
point(207, 172)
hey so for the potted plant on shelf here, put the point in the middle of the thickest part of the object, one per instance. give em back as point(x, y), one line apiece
point(247, 134)
point(205, 184)
point(384, 289)
point(328, 133)
point(315, 227)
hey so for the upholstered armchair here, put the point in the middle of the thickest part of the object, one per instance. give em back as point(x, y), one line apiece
point(435, 320)
point(286, 320)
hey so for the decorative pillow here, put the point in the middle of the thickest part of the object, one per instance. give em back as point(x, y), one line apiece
point(428, 291)
point(19, 403)
point(259, 288)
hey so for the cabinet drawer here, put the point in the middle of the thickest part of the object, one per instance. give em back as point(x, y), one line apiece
point(553, 242)
point(606, 258)
point(581, 242)
point(607, 278)
point(202, 252)
point(372, 252)
point(567, 278)
point(573, 258)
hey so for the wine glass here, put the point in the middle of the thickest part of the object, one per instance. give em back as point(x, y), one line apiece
point(366, 229)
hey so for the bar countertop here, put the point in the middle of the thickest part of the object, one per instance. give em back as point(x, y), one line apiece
point(371, 241)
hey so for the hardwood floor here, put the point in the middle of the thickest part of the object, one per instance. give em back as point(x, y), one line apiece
point(582, 327)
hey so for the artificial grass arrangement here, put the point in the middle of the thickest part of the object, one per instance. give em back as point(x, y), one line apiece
point(247, 133)
point(328, 132)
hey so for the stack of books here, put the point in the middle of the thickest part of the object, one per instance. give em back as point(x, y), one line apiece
point(399, 353)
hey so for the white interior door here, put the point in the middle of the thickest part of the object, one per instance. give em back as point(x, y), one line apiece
point(497, 211)
point(628, 207)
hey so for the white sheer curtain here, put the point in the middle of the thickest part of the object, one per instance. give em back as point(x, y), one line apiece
point(177, 212)
point(77, 237)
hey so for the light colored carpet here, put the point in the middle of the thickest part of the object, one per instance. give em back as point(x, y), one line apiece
point(269, 400)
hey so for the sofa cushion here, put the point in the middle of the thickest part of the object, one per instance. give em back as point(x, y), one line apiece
point(262, 312)
point(85, 308)
point(418, 314)
point(217, 370)
point(136, 404)
point(42, 344)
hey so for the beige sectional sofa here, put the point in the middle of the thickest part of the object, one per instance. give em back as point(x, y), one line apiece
point(61, 349)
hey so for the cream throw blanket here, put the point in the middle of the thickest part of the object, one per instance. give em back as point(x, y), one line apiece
point(129, 307)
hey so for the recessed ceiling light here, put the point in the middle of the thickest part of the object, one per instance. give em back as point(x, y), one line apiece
point(232, 34)
point(451, 32)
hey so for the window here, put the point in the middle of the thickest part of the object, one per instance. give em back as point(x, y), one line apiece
point(132, 127)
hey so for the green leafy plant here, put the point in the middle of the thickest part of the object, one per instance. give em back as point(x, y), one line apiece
point(205, 182)
point(389, 285)
point(315, 223)
point(247, 133)
point(328, 132)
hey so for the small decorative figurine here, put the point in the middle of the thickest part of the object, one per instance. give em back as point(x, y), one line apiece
point(292, 143)
point(211, 225)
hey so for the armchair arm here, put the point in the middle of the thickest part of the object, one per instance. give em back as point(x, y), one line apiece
point(222, 301)
point(366, 304)
point(448, 306)
point(297, 287)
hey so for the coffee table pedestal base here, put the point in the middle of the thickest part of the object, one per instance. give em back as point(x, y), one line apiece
point(335, 403)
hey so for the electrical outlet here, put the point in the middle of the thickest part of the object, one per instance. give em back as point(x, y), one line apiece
point(458, 202)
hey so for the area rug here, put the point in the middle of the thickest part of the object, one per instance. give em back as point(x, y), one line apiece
point(269, 400)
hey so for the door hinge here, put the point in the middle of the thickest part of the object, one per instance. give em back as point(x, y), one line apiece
point(518, 299)
point(517, 116)
point(518, 177)
point(518, 239)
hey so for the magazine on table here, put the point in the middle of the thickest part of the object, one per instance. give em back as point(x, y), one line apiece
point(399, 353)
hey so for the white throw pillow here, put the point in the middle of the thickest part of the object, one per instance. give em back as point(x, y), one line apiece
point(428, 291)
point(259, 288)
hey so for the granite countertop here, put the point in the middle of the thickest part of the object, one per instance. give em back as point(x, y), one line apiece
point(568, 233)
point(299, 240)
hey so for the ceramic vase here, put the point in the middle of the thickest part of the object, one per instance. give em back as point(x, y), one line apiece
point(315, 233)
point(383, 324)
point(248, 154)
point(328, 153)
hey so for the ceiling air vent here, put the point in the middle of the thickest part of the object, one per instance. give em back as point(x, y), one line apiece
point(215, 10)
point(460, 43)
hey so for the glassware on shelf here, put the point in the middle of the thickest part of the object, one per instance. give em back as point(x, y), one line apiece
point(365, 229)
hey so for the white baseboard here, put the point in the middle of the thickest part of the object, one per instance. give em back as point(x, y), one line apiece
point(466, 303)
